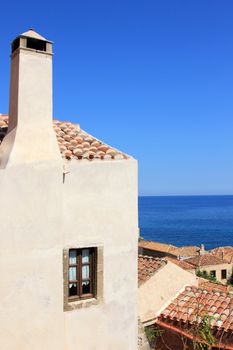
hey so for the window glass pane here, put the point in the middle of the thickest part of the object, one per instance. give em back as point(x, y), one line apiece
point(73, 289)
point(86, 287)
point(72, 274)
point(85, 255)
point(72, 257)
point(85, 272)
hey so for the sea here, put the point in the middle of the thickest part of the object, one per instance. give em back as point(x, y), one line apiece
point(187, 220)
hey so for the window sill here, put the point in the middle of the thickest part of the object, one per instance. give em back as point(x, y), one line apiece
point(81, 303)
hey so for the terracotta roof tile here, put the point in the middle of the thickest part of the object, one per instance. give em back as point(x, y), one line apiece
point(147, 266)
point(162, 247)
point(225, 253)
point(212, 286)
point(181, 263)
point(194, 303)
point(186, 251)
point(205, 260)
point(74, 143)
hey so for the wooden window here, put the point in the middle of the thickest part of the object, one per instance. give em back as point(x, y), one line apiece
point(224, 274)
point(213, 273)
point(82, 273)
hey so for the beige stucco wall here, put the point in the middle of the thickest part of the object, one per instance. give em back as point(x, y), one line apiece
point(157, 292)
point(40, 215)
point(218, 268)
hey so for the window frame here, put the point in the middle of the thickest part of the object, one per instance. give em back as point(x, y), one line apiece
point(79, 278)
point(225, 274)
point(213, 273)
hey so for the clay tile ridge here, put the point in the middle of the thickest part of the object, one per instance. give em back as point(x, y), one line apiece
point(148, 266)
point(205, 260)
point(75, 143)
point(181, 263)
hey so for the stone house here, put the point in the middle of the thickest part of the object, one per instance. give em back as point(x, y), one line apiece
point(213, 265)
point(69, 228)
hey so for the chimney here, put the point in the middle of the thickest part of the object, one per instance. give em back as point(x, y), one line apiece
point(202, 249)
point(30, 134)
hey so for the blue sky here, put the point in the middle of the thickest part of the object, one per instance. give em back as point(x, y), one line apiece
point(153, 78)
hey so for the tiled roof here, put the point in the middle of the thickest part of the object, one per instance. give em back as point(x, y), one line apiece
point(147, 266)
point(205, 260)
point(225, 253)
point(181, 263)
point(212, 286)
point(161, 247)
point(194, 303)
point(74, 143)
point(186, 251)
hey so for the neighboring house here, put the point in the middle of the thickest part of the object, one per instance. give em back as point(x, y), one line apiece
point(159, 282)
point(213, 265)
point(69, 229)
point(225, 253)
point(156, 249)
point(180, 322)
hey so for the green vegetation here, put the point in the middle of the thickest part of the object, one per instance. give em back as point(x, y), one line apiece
point(152, 333)
point(206, 275)
point(203, 331)
point(230, 281)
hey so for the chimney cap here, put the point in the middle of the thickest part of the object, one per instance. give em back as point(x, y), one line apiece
point(31, 33)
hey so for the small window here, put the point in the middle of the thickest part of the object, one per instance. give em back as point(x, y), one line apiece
point(224, 274)
point(36, 44)
point(81, 273)
point(213, 273)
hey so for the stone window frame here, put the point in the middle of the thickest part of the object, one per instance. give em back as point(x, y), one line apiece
point(98, 298)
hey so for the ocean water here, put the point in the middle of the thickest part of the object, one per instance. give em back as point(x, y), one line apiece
point(187, 220)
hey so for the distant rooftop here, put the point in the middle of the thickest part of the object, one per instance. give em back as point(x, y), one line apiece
point(186, 251)
point(205, 260)
point(161, 247)
point(225, 253)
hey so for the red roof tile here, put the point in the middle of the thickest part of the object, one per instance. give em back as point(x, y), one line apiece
point(74, 143)
point(194, 303)
point(205, 260)
point(225, 253)
point(157, 246)
point(147, 266)
point(212, 286)
point(186, 251)
point(181, 263)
